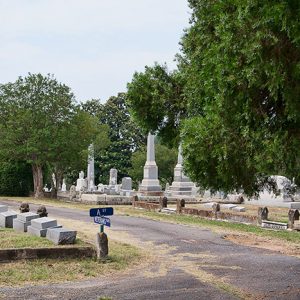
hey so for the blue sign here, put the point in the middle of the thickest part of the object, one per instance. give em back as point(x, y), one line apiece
point(102, 221)
point(98, 212)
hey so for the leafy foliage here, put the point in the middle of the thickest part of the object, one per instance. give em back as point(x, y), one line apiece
point(15, 179)
point(156, 102)
point(41, 124)
point(239, 76)
point(241, 60)
point(124, 135)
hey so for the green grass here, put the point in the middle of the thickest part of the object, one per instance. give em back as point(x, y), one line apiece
point(121, 256)
point(290, 236)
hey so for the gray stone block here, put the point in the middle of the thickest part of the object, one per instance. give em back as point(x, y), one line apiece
point(3, 208)
point(295, 205)
point(43, 223)
point(239, 209)
point(28, 216)
point(6, 218)
point(20, 225)
point(228, 206)
point(61, 236)
point(39, 232)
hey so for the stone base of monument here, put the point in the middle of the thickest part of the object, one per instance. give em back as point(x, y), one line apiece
point(40, 226)
point(3, 208)
point(61, 236)
point(23, 221)
point(6, 218)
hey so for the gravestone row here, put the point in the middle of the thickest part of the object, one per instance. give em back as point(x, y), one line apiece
point(37, 224)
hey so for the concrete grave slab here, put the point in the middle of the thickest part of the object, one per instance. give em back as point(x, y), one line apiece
point(27, 217)
point(61, 236)
point(239, 209)
point(43, 223)
point(3, 208)
point(6, 218)
point(209, 204)
point(20, 225)
point(295, 205)
point(228, 206)
point(39, 232)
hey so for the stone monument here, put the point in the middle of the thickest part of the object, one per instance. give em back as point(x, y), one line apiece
point(150, 184)
point(113, 177)
point(91, 170)
point(81, 182)
point(181, 185)
point(64, 186)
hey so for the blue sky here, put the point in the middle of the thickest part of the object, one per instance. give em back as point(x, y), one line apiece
point(93, 46)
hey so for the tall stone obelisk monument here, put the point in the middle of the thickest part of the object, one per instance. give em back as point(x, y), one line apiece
point(150, 184)
point(182, 184)
point(91, 170)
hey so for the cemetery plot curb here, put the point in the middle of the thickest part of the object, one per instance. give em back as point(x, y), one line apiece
point(54, 252)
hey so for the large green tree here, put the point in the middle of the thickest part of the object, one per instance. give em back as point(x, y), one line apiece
point(41, 124)
point(156, 101)
point(124, 135)
point(240, 65)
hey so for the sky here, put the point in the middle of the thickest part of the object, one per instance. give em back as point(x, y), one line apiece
point(93, 46)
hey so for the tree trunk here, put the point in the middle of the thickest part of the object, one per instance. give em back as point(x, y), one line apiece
point(37, 172)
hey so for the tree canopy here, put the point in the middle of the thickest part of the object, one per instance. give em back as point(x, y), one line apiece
point(240, 70)
point(124, 135)
point(41, 124)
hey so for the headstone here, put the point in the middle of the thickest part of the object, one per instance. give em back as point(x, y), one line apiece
point(64, 186)
point(293, 216)
point(39, 226)
point(23, 220)
point(81, 182)
point(180, 204)
point(181, 185)
point(163, 201)
point(24, 207)
point(113, 177)
point(216, 207)
point(91, 170)
point(262, 214)
point(6, 218)
point(150, 184)
point(61, 236)
point(100, 187)
point(3, 208)
point(42, 211)
point(101, 245)
point(72, 193)
point(126, 183)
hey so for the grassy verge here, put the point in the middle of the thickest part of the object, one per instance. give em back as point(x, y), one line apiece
point(121, 256)
point(290, 236)
point(18, 273)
